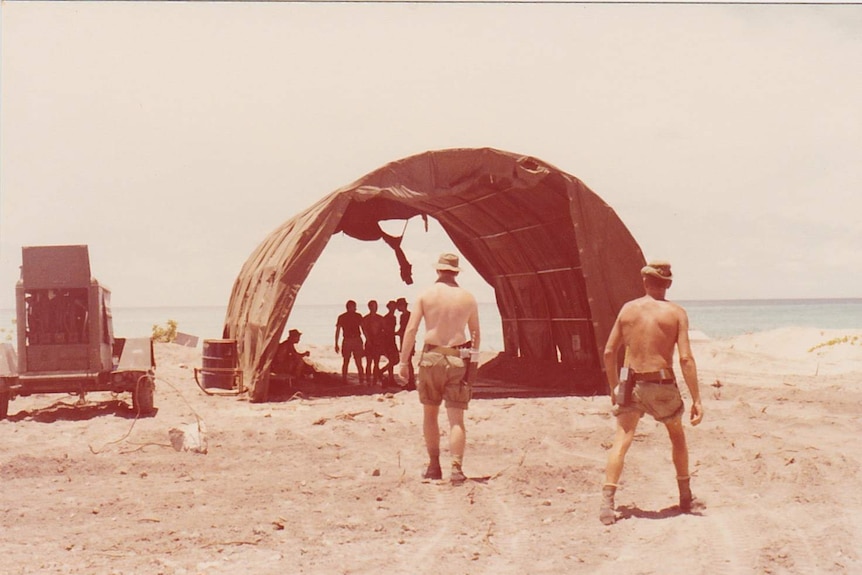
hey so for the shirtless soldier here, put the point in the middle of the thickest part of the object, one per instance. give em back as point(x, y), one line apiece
point(649, 328)
point(350, 325)
point(447, 310)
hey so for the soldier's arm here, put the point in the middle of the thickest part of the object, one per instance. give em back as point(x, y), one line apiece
point(689, 367)
point(473, 325)
point(409, 341)
point(612, 348)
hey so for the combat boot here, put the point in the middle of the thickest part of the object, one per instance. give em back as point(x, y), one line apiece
point(685, 497)
point(606, 514)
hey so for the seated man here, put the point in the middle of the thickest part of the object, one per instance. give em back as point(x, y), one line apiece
point(290, 362)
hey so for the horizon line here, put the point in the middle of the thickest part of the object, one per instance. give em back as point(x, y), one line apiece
point(682, 300)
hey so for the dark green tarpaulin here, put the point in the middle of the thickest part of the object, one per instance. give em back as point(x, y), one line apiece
point(560, 260)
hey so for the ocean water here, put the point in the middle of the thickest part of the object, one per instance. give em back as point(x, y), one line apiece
point(728, 318)
point(717, 319)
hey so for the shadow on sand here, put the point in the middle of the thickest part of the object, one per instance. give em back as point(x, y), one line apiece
point(628, 511)
point(66, 411)
point(324, 384)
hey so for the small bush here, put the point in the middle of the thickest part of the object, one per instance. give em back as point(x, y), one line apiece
point(165, 334)
point(852, 340)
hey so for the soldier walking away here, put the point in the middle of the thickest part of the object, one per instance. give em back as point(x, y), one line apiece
point(650, 327)
point(448, 363)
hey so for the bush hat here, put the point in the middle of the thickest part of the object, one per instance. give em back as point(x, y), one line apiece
point(659, 269)
point(448, 262)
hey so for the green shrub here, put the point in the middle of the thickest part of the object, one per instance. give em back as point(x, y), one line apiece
point(852, 340)
point(165, 334)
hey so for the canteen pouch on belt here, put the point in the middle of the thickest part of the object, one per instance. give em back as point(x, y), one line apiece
point(624, 390)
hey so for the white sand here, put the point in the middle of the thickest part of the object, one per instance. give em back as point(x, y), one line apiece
point(331, 485)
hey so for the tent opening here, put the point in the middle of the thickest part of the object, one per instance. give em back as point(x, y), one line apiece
point(559, 260)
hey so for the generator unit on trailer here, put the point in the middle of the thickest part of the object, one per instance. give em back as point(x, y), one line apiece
point(66, 340)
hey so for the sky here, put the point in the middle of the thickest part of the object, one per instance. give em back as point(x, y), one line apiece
point(172, 138)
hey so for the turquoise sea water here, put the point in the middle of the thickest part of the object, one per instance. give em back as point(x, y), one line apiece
point(717, 319)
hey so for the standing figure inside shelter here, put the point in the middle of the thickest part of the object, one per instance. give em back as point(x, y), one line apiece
point(650, 327)
point(403, 320)
point(349, 326)
point(448, 364)
point(390, 347)
point(372, 328)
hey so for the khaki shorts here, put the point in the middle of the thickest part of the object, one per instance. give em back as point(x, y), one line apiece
point(441, 378)
point(351, 346)
point(662, 401)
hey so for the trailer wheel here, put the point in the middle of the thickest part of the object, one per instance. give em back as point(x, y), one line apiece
point(4, 404)
point(142, 397)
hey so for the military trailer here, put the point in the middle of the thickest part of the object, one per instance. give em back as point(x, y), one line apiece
point(66, 340)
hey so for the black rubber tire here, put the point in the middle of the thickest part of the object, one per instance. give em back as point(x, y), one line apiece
point(4, 404)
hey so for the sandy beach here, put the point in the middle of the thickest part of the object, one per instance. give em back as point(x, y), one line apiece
point(331, 484)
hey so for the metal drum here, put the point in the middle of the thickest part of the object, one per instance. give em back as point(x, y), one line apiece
point(219, 368)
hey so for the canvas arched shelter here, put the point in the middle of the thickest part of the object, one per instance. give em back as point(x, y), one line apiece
point(559, 259)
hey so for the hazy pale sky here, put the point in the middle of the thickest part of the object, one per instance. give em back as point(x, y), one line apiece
point(173, 137)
